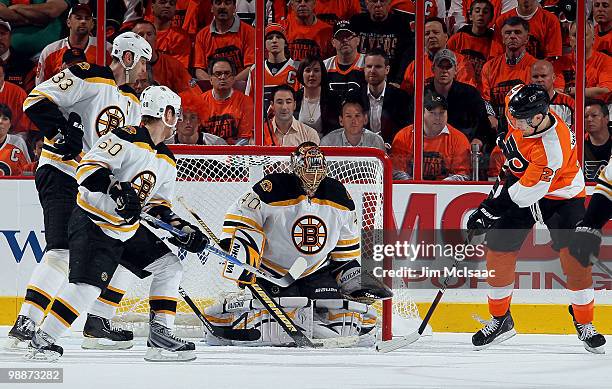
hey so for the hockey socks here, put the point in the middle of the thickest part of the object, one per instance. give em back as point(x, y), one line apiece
point(107, 303)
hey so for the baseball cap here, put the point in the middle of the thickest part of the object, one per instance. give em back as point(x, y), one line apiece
point(445, 54)
point(5, 24)
point(343, 25)
point(81, 7)
point(74, 55)
point(275, 27)
point(434, 100)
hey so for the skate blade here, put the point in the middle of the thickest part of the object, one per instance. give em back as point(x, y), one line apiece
point(155, 354)
point(41, 356)
point(105, 344)
point(594, 350)
point(502, 338)
point(14, 344)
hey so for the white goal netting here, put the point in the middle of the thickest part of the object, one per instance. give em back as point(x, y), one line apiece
point(210, 179)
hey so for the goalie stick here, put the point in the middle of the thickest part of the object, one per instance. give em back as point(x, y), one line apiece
point(275, 309)
point(295, 271)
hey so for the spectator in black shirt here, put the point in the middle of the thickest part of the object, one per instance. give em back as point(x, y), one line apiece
point(18, 68)
point(387, 31)
point(598, 145)
point(466, 108)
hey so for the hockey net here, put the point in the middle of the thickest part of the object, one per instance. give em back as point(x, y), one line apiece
point(211, 178)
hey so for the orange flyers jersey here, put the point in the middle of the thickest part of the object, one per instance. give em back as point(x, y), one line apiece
point(176, 43)
point(603, 42)
point(287, 74)
point(197, 15)
point(14, 157)
point(465, 73)
point(545, 164)
point(544, 34)
point(474, 48)
point(432, 8)
point(50, 59)
point(170, 72)
point(229, 119)
point(444, 155)
point(308, 40)
point(237, 46)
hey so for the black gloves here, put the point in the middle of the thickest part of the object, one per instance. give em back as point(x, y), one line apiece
point(482, 219)
point(195, 241)
point(71, 143)
point(128, 204)
point(585, 243)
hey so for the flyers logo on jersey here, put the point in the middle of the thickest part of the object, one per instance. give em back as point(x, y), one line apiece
point(144, 184)
point(516, 161)
point(309, 234)
point(110, 118)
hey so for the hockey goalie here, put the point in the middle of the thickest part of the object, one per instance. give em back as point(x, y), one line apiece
point(286, 216)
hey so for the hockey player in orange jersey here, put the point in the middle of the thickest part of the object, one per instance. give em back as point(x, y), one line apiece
point(544, 179)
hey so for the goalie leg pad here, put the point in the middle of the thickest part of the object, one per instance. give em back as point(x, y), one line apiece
point(344, 318)
point(246, 245)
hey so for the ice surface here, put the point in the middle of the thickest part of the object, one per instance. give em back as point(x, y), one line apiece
point(440, 361)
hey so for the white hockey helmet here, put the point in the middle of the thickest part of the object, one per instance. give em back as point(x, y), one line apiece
point(129, 41)
point(155, 99)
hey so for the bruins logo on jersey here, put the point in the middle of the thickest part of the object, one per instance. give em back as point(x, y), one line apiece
point(144, 184)
point(110, 118)
point(266, 185)
point(309, 234)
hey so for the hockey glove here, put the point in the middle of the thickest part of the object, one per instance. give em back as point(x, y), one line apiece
point(482, 219)
point(357, 286)
point(128, 204)
point(71, 143)
point(194, 242)
point(585, 243)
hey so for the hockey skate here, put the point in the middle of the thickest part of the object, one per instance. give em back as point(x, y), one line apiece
point(497, 330)
point(163, 346)
point(101, 334)
point(42, 348)
point(22, 331)
point(592, 340)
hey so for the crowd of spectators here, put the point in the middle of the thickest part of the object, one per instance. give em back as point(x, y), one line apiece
point(336, 72)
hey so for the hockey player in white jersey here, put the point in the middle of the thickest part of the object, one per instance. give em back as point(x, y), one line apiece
point(72, 110)
point(125, 170)
point(300, 214)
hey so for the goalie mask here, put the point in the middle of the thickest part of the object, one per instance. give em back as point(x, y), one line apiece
point(308, 163)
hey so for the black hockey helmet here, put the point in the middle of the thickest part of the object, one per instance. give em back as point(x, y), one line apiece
point(526, 101)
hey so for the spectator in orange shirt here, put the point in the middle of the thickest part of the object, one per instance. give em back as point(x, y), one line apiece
point(598, 65)
point(14, 157)
point(19, 69)
point(330, 11)
point(507, 70)
point(460, 11)
point(80, 23)
point(543, 73)
point(166, 69)
point(446, 151)
point(226, 37)
point(13, 96)
point(602, 14)
point(188, 130)
point(197, 15)
point(171, 40)
point(226, 112)
point(436, 36)
point(545, 39)
point(474, 40)
point(306, 34)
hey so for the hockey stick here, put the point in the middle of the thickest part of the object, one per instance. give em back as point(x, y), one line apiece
point(394, 344)
point(295, 271)
point(597, 262)
point(246, 334)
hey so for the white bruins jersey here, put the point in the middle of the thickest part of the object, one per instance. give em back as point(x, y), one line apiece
point(604, 181)
point(90, 91)
point(319, 228)
point(131, 156)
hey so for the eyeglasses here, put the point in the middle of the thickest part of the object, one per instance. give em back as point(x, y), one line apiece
point(221, 75)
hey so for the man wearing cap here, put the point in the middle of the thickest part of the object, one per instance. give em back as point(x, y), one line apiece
point(35, 23)
point(80, 23)
point(345, 69)
point(18, 68)
point(306, 34)
point(436, 36)
point(446, 151)
point(467, 111)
